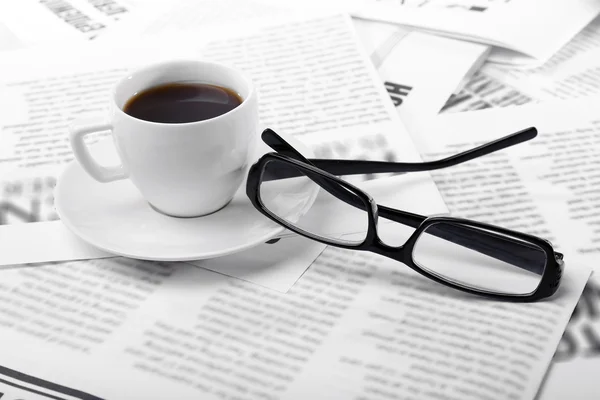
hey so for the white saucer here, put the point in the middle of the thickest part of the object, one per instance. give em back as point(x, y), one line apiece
point(114, 217)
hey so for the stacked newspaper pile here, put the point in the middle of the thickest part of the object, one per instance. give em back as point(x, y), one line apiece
point(439, 76)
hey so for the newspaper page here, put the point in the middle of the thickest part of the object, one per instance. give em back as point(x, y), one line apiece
point(28, 197)
point(216, 17)
point(526, 31)
point(356, 325)
point(574, 71)
point(546, 187)
point(315, 68)
point(27, 23)
point(483, 91)
point(574, 372)
point(181, 15)
point(418, 70)
point(571, 73)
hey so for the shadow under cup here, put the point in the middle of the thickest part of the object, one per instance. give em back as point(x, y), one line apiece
point(186, 169)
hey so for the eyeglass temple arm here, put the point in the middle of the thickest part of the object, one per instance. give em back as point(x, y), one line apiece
point(353, 167)
point(488, 243)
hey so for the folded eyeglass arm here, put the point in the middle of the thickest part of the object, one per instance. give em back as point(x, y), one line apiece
point(359, 167)
point(354, 167)
point(512, 251)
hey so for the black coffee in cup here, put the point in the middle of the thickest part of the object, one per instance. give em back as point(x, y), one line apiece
point(177, 103)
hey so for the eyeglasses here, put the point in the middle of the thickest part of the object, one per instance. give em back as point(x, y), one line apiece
point(470, 256)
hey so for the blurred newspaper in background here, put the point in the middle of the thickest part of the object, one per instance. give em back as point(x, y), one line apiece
point(524, 32)
point(27, 197)
point(573, 72)
point(29, 23)
point(574, 371)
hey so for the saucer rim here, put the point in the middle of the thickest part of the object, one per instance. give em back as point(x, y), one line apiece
point(204, 255)
point(134, 255)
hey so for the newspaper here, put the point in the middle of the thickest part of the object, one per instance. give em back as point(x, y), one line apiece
point(481, 92)
point(291, 73)
point(27, 23)
point(28, 197)
point(571, 73)
point(545, 187)
point(355, 325)
point(574, 372)
point(141, 343)
point(181, 15)
point(526, 31)
point(217, 17)
point(419, 70)
point(574, 71)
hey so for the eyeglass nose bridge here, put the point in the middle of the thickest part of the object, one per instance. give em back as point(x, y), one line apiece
point(401, 253)
point(398, 253)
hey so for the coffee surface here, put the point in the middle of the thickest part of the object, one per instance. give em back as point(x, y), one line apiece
point(177, 103)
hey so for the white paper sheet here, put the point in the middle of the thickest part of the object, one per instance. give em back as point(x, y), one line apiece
point(571, 73)
point(545, 187)
point(355, 324)
point(275, 266)
point(419, 70)
point(574, 371)
point(43, 242)
point(181, 15)
point(481, 92)
point(218, 18)
point(534, 28)
point(31, 23)
point(574, 71)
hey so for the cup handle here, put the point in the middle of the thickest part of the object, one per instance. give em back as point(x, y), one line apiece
point(85, 159)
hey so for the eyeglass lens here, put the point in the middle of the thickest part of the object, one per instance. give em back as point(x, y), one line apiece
point(484, 260)
point(329, 217)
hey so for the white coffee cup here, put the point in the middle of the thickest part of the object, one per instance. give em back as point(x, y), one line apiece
point(181, 169)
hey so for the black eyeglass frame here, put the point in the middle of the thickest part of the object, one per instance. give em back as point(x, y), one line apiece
point(547, 286)
point(486, 243)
